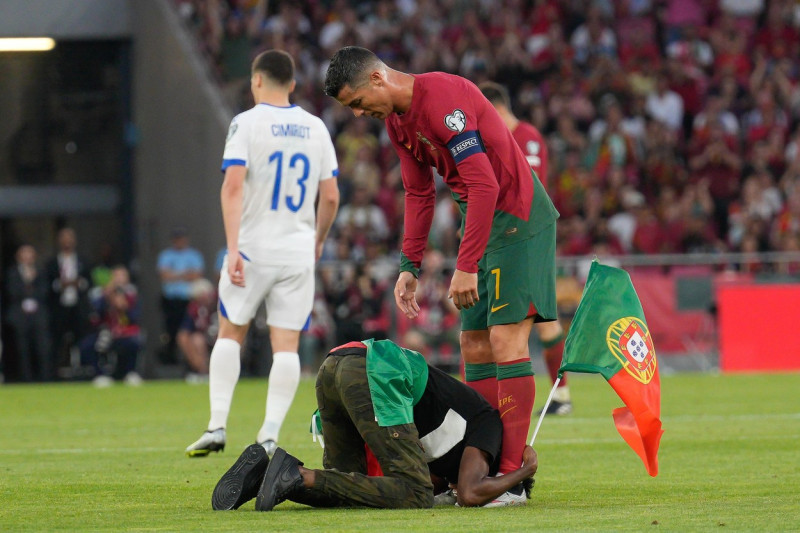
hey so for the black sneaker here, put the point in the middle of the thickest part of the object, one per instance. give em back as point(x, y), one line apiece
point(281, 480)
point(240, 483)
point(557, 408)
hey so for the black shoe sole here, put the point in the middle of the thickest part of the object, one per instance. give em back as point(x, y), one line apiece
point(265, 500)
point(267, 497)
point(241, 482)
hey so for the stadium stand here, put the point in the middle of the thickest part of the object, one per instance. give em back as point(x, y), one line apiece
point(672, 125)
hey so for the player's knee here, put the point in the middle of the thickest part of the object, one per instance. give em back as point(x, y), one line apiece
point(476, 347)
point(507, 347)
point(549, 331)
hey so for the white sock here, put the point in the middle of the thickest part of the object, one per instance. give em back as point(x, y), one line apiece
point(561, 394)
point(283, 379)
point(223, 373)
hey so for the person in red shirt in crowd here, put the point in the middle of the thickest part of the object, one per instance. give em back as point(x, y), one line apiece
point(730, 46)
point(717, 159)
point(777, 39)
point(505, 269)
point(533, 145)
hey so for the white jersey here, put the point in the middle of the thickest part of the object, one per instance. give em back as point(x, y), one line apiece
point(287, 152)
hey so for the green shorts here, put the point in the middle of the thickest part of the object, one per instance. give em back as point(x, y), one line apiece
point(516, 282)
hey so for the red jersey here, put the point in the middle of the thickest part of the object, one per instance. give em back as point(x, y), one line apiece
point(532, 143)
point(452, 127)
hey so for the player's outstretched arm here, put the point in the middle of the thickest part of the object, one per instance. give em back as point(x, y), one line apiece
point(405, 294)
point(475, 485)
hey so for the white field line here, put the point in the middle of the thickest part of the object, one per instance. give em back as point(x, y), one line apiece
point(668, 420)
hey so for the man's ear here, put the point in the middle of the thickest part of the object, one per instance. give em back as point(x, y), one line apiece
point(377, 78)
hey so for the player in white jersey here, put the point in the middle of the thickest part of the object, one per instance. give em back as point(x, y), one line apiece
point(277, 159)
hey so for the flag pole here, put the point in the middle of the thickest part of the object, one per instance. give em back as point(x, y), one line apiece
point(544, 409)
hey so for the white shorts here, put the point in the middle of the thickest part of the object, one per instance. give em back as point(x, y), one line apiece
point(287, 291)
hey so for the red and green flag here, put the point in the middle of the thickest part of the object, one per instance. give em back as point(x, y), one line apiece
point(609, 336)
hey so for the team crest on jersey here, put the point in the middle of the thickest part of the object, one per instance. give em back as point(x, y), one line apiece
point(456, 121)
point(232, 130)
point(425, 140)
point(629, 340)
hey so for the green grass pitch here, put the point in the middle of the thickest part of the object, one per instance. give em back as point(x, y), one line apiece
point(77, 458)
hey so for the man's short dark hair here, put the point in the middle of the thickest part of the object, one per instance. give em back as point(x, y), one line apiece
point(277, 65)
point(495, 93)
point(349, 66)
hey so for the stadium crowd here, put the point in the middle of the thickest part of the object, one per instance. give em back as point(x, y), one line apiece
point(672, 125)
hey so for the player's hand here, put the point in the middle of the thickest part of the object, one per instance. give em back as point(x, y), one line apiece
point(530, 459)
point(318, 250)
point(463, 289)
point(405, 294)
point(236, 269)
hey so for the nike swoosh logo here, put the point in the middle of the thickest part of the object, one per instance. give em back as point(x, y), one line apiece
point(497, 308)
point(511, 231)
point(504, 413)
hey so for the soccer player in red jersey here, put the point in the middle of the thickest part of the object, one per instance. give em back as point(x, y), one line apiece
point(505, 269)
point(532, 143)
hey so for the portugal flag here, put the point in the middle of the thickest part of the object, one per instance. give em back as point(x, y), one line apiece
point(609, 336)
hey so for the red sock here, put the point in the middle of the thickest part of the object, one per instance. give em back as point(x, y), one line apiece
point(552, 358)
point(486, 388)
point(516, 390)
point(482, 377)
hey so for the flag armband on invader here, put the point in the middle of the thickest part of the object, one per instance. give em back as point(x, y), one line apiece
point(316, 429)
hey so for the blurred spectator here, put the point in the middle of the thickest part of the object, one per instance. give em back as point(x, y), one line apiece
point(566, 137)
point(788, 221)
point(113, 348)
point(665, 105)
point(27, 315)
point(593, 39)
point(610, 146)
point(68, 281)
point(742, 9)
point(717, 159)
point(438, 320)
point(691, 48)
point(730, 46)
point(716, 110)
point(681, 14)
point(364, 218)
point(178, 265)
point(198, 330)
point(758, 203)
point(100, 273)
point(623, 223)
point(777, 39)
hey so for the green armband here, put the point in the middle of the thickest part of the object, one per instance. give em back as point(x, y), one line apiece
point(406, 265)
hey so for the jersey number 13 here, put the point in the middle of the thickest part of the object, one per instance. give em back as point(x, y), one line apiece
point(298, 170)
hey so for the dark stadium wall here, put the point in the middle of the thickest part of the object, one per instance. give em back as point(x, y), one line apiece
point(180, 122)
point(66, 19)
